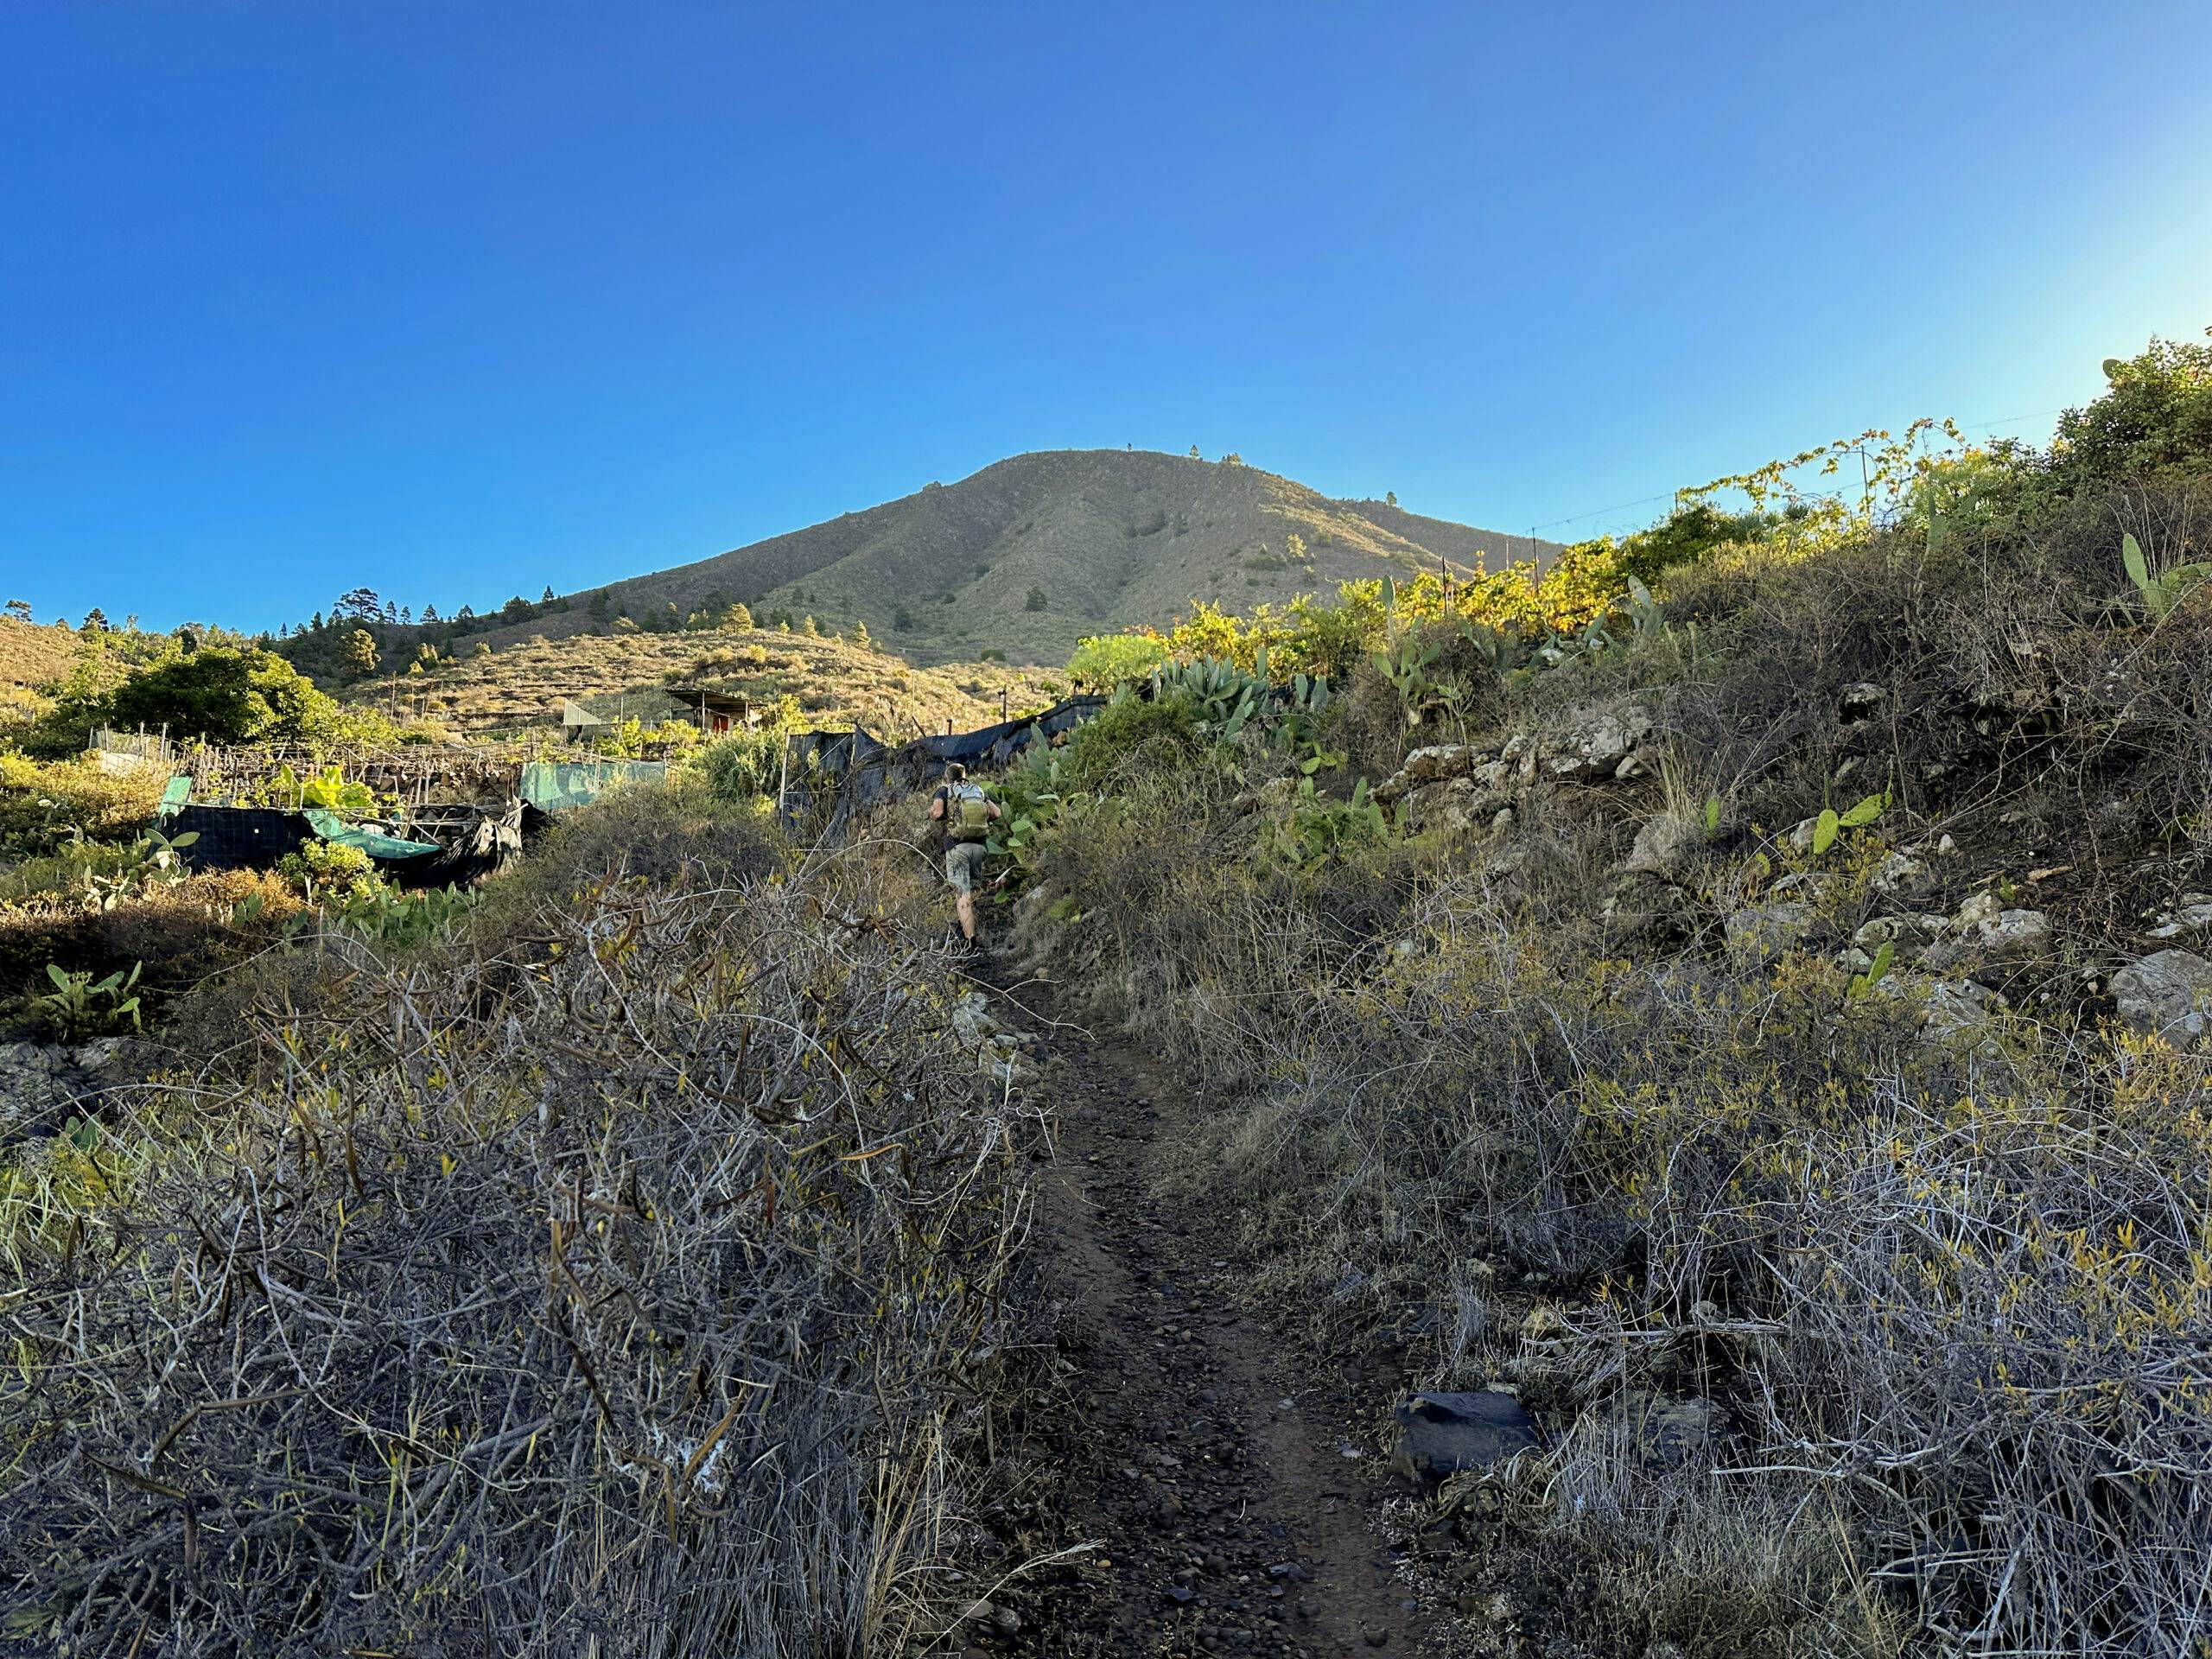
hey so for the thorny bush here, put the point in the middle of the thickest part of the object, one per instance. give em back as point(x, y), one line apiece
point(611, 1287)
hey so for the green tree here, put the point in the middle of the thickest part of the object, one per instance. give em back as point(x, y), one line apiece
point(359, 653)
point(226, 695)
point(861, 637)
point(739, 616)
point(1036, 601)
point(19, 610)
point(808, 627)
point(1106, 660)
point(546, 598)
point(902, 619)
point(2155, 416)
point(95, 621)
point(1390, 498)
point(601, 606)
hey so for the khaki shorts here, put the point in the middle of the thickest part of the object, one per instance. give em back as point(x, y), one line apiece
point(963, 863)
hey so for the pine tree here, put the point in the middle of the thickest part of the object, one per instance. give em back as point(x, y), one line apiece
point(95, 621)
point(359, 652)
point(808, 627)
point(861, 637)
point(546, 598)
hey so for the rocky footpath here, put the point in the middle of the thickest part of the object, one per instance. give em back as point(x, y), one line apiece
point(1219, 1495)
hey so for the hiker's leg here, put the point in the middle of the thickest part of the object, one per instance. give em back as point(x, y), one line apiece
point(960, 864)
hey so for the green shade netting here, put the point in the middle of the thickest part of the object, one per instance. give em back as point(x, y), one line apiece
point(179, 793)
point(332, 828)
point(553, 785)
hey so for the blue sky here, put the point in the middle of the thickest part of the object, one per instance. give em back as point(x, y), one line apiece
point(465, 300)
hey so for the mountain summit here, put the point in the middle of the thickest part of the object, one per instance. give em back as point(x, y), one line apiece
point(1033, 552)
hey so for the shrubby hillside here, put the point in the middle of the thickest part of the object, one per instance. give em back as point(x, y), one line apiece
point(1752, 997)
point(832, 681)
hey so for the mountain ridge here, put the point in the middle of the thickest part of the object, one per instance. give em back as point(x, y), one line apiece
point(1031, 552)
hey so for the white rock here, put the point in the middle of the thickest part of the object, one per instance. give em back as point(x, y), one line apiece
point(2190, 919)
point(1901, 873)
point(1982, 932)
point(1439, 761)
point(1595, 747)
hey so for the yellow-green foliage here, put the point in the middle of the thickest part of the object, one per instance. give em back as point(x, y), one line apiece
point(1586, 583)
point(44, 803)
point(332, 873)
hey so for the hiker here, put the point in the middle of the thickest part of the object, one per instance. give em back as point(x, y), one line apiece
point(966, 814)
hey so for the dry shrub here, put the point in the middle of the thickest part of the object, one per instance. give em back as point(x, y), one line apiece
point(1950, 1296)
point(605, 1291)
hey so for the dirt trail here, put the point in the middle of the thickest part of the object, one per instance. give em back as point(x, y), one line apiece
point(1197, 1448)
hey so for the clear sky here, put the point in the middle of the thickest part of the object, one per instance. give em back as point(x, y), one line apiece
point(465, 299)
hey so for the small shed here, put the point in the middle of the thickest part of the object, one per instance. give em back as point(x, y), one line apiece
point(717, 714)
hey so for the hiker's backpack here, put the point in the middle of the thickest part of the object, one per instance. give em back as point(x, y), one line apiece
point(971, 814)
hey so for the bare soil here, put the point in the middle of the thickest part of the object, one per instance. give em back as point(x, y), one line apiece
point(1231, 1492)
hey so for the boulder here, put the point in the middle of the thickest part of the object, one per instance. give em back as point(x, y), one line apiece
point(1981, 932)
point(1762, 934)
point(1594, 747)
point(1440, 761)
point(1664, 844)
point(1902, 875)
point(1441, 1434)
point(1955, 1005)
point(2169, 994)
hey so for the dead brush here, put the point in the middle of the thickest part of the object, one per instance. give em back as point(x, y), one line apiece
point(1952, 1299)
point(598, 1296)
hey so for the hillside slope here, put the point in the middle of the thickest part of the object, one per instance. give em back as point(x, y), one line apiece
point(1032, 553)
point(835, 683)
point(30, 656)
